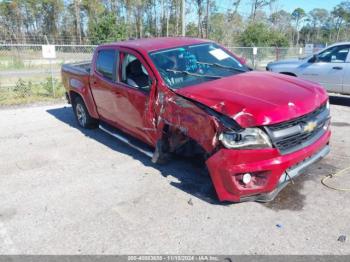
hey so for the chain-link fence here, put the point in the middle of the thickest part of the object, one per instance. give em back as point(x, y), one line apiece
point(17, 57)
point(24, 72)
point(22, 67)
point(261, 56)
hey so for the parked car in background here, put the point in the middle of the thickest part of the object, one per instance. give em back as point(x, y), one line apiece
point(330, 67)
point(255, 131)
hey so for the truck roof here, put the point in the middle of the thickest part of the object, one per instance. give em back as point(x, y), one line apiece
point(158, 43)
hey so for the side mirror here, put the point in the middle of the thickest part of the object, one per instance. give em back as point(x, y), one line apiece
point(313, 59)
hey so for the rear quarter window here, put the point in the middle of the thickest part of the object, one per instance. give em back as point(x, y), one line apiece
point(106, 62)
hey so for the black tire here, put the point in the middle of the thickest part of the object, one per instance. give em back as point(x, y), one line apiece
point(82, 114)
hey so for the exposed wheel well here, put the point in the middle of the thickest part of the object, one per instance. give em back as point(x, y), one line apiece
point(74, 95)
point(288, 73)
point(178, 142)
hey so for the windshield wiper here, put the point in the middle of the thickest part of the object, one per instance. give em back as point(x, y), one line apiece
point(222, 66)
point(191, 74)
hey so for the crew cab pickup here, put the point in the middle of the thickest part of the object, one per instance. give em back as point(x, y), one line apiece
point(255, 131)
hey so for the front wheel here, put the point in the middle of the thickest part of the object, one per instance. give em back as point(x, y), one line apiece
point(82, 114)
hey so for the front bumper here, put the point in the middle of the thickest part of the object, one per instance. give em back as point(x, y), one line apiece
point(271, 170)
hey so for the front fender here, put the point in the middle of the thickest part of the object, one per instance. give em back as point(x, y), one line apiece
point(187, 117)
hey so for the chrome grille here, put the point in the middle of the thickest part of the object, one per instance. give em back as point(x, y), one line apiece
point(298, 120)
point(292, 141)
point(293, 135)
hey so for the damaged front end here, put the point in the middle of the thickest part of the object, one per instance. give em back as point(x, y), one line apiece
point(257, 163)
point(184, 128)
point(244, 163)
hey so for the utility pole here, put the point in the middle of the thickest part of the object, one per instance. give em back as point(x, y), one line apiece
point(167, 22)
point(50, 61)
point(77, 19)
point(207, 22)
point(161, 17)
point(183, 22)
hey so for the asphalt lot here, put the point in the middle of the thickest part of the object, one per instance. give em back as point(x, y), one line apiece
point(64, 190)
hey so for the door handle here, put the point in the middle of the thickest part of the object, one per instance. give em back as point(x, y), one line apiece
point(337, 68)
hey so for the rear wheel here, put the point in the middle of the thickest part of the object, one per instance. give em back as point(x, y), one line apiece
point(82, 114)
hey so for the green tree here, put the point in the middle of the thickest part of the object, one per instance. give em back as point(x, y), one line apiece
point(298, 15)
point(318, 17)
point(92, 10)
point(51, 10)
point(341, 13)
point(257, 5)
point(102, 31)
point(258, 34)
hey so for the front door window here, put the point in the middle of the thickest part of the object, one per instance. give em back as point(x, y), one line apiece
point(336, 54)
point(134, 73)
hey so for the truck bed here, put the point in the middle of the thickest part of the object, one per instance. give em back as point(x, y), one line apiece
point(75, 77)
point(80, 68)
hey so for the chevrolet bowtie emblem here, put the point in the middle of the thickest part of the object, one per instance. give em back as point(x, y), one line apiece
point(310, 126)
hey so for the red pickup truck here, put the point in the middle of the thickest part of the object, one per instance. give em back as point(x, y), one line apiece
point(255, 131)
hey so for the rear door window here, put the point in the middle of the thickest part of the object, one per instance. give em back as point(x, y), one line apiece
point(106, 63)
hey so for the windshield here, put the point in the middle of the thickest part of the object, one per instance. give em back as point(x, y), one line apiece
point(190, 65)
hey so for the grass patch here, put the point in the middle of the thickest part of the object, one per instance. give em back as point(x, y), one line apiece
point(6, 100)
point(25, 92)
point(11, 64)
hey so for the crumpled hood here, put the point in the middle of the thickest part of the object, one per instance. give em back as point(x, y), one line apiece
point(258, 98)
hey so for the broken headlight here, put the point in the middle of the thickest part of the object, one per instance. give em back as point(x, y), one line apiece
point(248, 138)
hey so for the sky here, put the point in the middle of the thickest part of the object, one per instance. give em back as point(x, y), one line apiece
point(288, 5)
point(308, 5)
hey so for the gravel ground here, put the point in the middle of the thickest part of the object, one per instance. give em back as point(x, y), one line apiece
point(64, 190)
